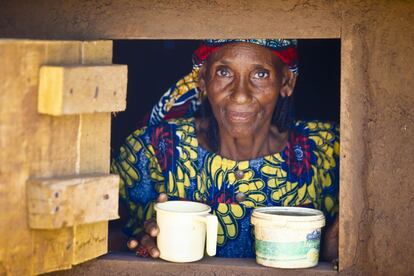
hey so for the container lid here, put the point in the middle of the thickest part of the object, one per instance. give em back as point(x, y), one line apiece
point(285, 215)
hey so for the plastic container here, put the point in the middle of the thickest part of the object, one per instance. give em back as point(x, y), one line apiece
point(287, 237)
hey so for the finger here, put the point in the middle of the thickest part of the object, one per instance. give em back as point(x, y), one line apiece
point(132, 244)
point(163, 197)
point(149, 243)
point(151, 227)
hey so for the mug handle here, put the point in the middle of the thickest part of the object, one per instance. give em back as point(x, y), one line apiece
point(211, 227)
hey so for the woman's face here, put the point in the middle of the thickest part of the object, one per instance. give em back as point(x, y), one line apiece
point(243, 82)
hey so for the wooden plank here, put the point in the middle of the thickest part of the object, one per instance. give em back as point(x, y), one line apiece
point(33, 145)
point(52, 250)
point(95, 129)
point(65, 90)
point(94, 156)
point(52, 152)
point(97, 52)
point(37, 146)
point(95, 143)
point(90, 241)
point(66, 201)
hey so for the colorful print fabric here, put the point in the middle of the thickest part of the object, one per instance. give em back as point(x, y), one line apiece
point(167, 158)
point(180, 100)
point(285, 49)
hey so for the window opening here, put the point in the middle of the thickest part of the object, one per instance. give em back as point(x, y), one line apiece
point(154, 65)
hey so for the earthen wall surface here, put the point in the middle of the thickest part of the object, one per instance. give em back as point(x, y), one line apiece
point(377, 97)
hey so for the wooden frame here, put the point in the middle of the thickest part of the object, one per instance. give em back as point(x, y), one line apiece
point(275, 20)
point(373, 100)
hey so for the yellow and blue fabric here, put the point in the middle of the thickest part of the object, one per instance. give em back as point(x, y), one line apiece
point(168, 158)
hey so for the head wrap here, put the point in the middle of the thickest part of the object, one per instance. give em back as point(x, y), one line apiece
point(183, 98)
point(285, 49)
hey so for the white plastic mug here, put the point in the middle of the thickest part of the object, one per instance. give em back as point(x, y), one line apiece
point(184, 226)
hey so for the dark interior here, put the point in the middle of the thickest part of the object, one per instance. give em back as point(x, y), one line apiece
point(154, 65)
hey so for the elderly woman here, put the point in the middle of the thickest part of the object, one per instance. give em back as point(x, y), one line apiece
point(236, 147)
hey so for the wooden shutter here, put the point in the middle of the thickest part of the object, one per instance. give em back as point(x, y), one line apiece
point(56, 193)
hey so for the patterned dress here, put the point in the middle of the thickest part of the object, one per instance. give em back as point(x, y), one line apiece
point(167, 158)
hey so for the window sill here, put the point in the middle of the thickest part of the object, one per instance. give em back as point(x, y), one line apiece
point(125, 263)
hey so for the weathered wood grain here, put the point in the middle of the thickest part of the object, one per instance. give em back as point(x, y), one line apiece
point(40, 146)
point(94, 154)
point(78, 89)
point(67, 201)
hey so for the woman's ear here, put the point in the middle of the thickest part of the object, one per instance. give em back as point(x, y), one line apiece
point(288, 82)
point(201, 80)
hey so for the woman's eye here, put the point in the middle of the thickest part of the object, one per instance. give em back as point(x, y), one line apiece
point(261, 75)
point(223, 72)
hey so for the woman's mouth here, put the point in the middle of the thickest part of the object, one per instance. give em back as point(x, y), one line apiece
point(240, 117)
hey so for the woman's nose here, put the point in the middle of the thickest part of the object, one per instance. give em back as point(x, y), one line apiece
point(241, 93)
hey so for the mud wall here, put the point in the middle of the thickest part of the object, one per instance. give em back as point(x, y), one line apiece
point(377, 109)
point(377, 98)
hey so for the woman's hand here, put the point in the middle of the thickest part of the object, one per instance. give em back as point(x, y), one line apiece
point(145, 243)
point(330, 242)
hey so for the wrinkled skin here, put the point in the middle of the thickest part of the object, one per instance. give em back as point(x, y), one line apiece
point(242, 81)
